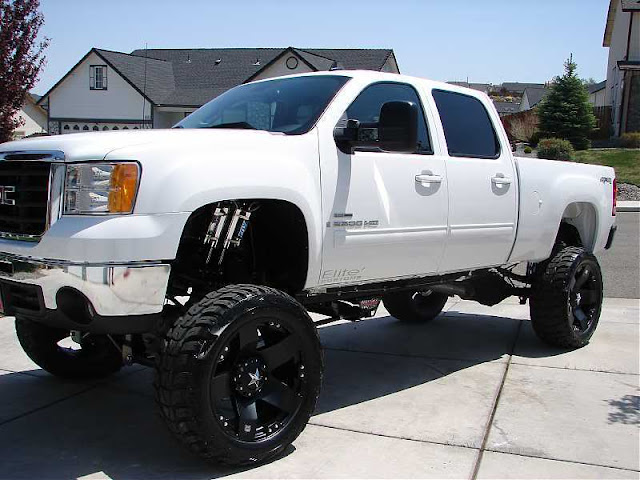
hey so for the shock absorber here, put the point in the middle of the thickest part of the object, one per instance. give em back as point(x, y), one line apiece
point(227, 229)
point(237, 228)
point(214, 231)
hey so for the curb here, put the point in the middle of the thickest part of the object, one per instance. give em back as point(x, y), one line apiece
point(627, 206)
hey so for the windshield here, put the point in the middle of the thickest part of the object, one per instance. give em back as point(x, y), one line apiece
point(287, 105)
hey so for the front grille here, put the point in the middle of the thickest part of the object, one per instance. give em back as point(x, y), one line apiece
point(24, 195)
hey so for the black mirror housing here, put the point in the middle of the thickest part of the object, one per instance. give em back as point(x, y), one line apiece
point(346, 136)
point(398, 127)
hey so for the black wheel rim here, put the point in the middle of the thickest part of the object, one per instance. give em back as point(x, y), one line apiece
point(257, 381)
point(423, 301)
point(585, 297)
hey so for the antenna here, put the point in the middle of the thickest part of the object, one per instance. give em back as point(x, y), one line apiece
point(144, 86)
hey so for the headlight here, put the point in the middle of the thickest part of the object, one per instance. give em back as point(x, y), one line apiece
point(95, 188)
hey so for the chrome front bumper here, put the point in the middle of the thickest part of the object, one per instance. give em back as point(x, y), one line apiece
point(110, 290)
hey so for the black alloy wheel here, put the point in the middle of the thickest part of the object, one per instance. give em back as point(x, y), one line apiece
point(239, 374)
point(566, 298)
point(415, 306)
point(585, 297)
point(95, 356)
point(257, 380)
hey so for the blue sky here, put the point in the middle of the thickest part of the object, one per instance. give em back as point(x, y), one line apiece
point(486, 41)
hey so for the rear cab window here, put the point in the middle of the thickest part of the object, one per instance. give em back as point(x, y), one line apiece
point(467, 126)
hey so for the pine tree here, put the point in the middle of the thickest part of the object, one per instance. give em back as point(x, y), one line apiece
point(566, 112)
point(21, 58)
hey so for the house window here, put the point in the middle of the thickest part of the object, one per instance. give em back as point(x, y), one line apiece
point(98, 80)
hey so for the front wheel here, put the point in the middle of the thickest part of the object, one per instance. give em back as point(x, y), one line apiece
point(94, 357)
point(239, 374)
point(567, 298)
point(416, 307)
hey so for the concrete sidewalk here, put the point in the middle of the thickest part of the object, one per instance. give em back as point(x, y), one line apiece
point(628, 206)
point(473, 394)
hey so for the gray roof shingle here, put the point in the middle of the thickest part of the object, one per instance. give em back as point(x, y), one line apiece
point(191, 77)
point(156, 79)
point(597, 86)
point(518, 87)
point(507, 107)
point(535, 94)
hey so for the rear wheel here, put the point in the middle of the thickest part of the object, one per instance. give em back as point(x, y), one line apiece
point(412, 306)
point(239, 375)
point(51, 348)
point(567, 298)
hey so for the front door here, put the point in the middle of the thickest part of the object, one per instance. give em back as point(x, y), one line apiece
point(387, 217)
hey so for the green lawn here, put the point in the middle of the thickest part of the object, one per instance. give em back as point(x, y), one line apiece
point(625, 161)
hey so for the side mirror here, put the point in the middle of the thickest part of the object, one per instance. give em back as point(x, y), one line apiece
point(345, 137)
point(398, 127)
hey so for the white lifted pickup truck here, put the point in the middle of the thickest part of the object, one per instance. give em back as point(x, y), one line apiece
point(200, 249)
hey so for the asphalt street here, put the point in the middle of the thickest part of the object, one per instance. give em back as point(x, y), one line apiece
point(621, 263)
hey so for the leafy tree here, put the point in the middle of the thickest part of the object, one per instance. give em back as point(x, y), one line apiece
point(21, 58)
point(566, 112)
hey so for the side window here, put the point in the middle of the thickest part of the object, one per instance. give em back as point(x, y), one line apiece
point(467, 126)
point(366, 108)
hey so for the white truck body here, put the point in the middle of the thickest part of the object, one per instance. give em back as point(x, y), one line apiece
point(469, 213)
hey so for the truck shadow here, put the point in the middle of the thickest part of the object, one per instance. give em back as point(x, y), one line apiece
point(55, 429)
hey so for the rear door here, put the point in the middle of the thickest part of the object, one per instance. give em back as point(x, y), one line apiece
point(482, 184)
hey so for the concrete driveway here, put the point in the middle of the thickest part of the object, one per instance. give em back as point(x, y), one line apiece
point(473, 394)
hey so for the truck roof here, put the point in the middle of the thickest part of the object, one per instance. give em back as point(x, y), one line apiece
point(372, 76)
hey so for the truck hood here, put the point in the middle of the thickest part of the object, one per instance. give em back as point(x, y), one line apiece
point(96, 145)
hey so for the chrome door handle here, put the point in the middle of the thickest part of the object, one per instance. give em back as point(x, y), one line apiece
point(498, 180)
point(422, 178)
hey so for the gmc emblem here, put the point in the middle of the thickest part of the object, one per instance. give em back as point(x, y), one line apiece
point(4, 189)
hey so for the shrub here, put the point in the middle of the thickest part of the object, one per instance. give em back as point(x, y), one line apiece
point(555, 149)
point(630, 140)
point(527, 150)
point(534, 139)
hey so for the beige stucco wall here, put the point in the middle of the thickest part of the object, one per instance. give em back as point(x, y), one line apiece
point(618, 51)
point(35, 120)
point(598, 99)
point(74, 99)
point(279, 68)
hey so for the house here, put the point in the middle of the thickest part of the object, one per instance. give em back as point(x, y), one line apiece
point(532, 96)
point(622, 37)
point(506, 108)
point(481, 87)
point(33, 116)
point(518, 88)
point(156, 88)
point(597, 94)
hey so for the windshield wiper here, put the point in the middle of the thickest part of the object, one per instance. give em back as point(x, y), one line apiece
point(242, 125)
